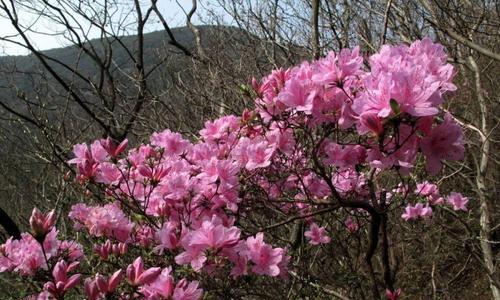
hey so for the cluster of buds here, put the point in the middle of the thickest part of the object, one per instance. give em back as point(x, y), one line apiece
point(104, 250)
point(100, 286)
point(62, 282)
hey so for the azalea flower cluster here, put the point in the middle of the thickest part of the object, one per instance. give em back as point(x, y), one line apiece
point(321, 134)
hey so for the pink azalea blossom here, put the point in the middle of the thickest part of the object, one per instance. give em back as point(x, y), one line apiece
point(161, 288)
point(317, 235)
point(172, 143)
point(112, 149)
point(417, 211)
point(445, 142)
point(187, 291)
point(108, 220)
point(136, 274)
point(430, 191)
point(61, 282)
point(297, 95)
point(259, 155)
point(351, 225)
point(265, 258)
point(212, 235)
point(167, 237)
point(458, 201)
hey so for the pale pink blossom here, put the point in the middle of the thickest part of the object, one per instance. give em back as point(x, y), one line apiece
point(265, 258)
point(445, 142)
point(417, 211)
point(187, 291)
point(458, 201)
point(317, 235)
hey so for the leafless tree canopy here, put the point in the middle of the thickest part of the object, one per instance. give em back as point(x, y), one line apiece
point(117, 78)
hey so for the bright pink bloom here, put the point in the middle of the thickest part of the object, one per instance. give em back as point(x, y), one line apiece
point(344, 156)
point(172, 143)
point(265, 258)
point(70, 251)
point(212, 235)
point(136, 274)
point(107, 173)
point(90, 289)
point(62, 282)
point(458, 201)
point(317, 235)
point(25, 255)
point(297, 95)
point(333, 69)
point(444, 143)
point(370, 122)
point(161, 288)
point(167, 237)
point(220, 129)
point(259, 155)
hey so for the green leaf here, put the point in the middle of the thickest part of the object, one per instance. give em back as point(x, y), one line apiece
point(394, 106)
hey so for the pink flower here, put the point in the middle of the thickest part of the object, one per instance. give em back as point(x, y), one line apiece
point(90, 289)
point(108, 220)
point(333, 69)
point(220, 129)
point(42, 224)
point(70, 250)
point(172, 143)
point(344, 156)
point(415, 78)
point(167, 237)
point(112, 149)
point(161, 288)
point(370, 122)
point(414, 212)
point(351, 225)
point(265, 258)
point(392, 295)
point(100, 287)
point(212, 235)
point(297, 95)
point(444, 143)
point(259, 155)
point(430, 191)
point(136, 274)
point(187, 291)
point(25, 255)
point(107, 173)
point(458, 201)
point(62, 282)
point(317, 235)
